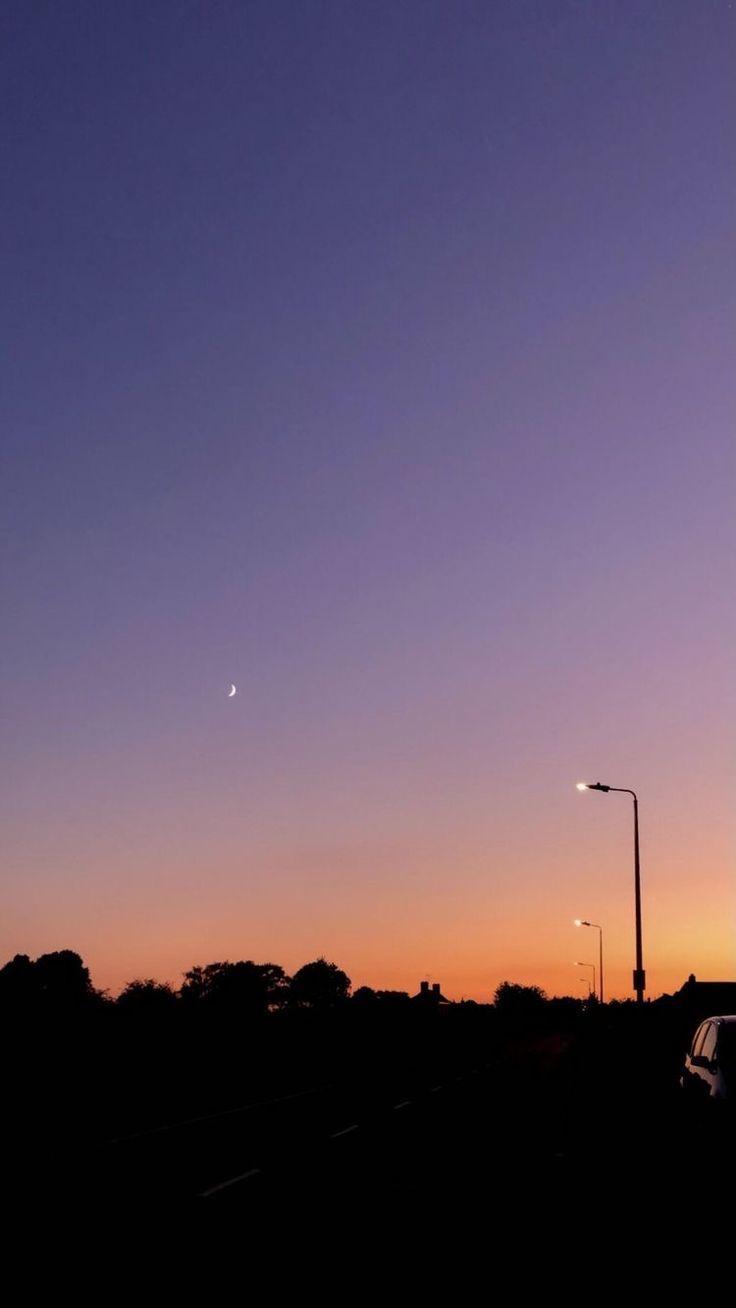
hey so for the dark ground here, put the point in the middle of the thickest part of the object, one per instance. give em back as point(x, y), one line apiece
point(443, 1122)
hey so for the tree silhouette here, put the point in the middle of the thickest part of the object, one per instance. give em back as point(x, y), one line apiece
point(18, 981)
point(277, 984)
point(514, 1001)
point(319, 985)
point(63, 979)
point(204, 984)
point(245, 986)
point(57, 979)
point(200, 982)
point(146, 996)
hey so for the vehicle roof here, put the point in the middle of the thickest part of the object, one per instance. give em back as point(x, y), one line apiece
point(720, 1017)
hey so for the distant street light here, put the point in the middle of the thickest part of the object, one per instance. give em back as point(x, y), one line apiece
point(582, 922)
point(585, 982)
point(640, 979)
point(588, 965)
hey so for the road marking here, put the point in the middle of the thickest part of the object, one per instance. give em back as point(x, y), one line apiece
point(345, 1131)
point(435, 1089)
point(213, 1117)
point(405, 1103)
point(254, 1171)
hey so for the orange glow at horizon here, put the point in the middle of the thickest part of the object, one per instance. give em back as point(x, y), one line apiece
point(427, 899)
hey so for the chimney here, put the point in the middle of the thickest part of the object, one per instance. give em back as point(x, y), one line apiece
point(436, 989)
point(424, 987)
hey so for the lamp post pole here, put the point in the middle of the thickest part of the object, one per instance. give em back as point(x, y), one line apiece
point(582, 922)
point(640, 979)
point(591, 965)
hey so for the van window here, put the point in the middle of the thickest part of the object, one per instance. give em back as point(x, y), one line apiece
point(708, 1047)
point(698, 1039)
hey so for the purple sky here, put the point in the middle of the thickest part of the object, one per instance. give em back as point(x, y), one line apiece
point(378, 358)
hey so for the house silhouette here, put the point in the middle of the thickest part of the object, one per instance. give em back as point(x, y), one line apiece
point(429, 998)
point(706, 998)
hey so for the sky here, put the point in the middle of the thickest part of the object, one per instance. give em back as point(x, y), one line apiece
point(375, 356)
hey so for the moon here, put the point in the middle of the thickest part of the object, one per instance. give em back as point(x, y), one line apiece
point(231, 692)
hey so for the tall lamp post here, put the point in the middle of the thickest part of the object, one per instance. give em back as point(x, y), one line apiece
point(593, 967)
point(579, 921)
point(640, 980)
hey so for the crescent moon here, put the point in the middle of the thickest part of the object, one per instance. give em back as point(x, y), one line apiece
point(231, 692)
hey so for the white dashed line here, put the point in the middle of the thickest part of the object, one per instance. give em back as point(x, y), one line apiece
point(254, 1171)
point(435, 1089)
point(345, 1131)
point(405, 1103)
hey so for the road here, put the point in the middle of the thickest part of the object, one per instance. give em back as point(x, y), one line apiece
point(400, 1131)
point(481, 1140)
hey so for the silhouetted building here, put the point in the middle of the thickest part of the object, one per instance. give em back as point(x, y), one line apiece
point(707, 998)
point(431, 998)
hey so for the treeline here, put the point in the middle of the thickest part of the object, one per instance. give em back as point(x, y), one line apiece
point(60, 980)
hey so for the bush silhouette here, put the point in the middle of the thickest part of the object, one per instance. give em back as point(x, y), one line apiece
point(393, 998)
point(364, 995)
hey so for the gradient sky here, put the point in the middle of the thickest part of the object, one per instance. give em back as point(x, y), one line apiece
point(376, 356)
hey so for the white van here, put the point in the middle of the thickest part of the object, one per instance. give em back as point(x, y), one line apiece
point(710, 1065)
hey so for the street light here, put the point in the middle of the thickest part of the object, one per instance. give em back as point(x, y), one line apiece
point(585, 982)
point(579, 921)
point(640, 979)
point(593, 967)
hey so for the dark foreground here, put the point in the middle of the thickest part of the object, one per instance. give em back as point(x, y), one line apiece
point(516, 1129)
